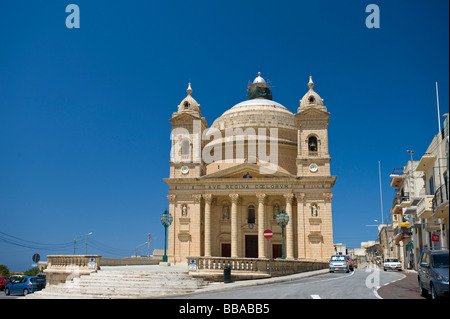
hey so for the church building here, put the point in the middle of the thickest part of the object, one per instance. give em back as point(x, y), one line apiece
point(228, 182)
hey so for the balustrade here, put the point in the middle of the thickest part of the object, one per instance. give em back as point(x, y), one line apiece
point(63, 267)
point(251, 266)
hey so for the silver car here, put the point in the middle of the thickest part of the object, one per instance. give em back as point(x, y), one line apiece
point(339, 263)
point(433, 273)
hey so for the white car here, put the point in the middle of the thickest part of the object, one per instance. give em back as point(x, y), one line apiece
point(393, 264)
point(339, 262)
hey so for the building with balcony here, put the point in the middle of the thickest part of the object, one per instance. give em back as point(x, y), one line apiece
point(432, 210)
point(409, 189)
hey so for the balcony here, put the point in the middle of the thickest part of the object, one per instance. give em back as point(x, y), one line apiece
point(396, 177)
point(401, 199)
point(401, 233)
point(440, 202)
point(425, 207)
point(426, 162)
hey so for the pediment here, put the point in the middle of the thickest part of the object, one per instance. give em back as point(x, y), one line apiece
point(187, 117)
point(247, 170)
point(313, 112)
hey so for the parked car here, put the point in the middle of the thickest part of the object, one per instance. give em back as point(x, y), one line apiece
point(392, 263)
point(433, 273)
point(350, 262)
point(25, 285)
point(3, 282)
point(339, 262)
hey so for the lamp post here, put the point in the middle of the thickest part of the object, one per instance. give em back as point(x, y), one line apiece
point(166, 220)
point(282, 219)
point(75, 242)
point(140, 246)
point(148, 247)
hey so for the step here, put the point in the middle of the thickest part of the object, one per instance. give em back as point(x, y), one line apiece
point(123, 284)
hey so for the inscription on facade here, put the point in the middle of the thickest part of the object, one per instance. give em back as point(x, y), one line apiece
point(236, 186)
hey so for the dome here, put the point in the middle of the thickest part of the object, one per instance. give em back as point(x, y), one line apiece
point(259, 89)
point(259, 79)
point(257, 112)
point(311, 98)
point(189, 103)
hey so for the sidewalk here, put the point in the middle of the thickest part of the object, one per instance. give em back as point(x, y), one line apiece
point(406, 288)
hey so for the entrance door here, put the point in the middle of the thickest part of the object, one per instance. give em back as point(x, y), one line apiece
point(251, 246)
point(276, 251)
point(226, 250)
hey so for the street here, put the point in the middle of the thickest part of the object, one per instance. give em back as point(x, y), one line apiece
point(359, 284)
point(354, 285)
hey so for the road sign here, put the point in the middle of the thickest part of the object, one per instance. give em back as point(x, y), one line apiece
point(435, 237)
point(91, 264)
point(36, 258)
point(268, 234)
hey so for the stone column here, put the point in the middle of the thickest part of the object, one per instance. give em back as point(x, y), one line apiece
point(234, 225)
point(289, 227)
point(171, 231)
point(261, 225)
point(327, 227)
point(195, 243)
point(208, 200)
point(301, 243)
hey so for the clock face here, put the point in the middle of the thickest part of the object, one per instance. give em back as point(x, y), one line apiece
point(313, 167)
point(185, 170)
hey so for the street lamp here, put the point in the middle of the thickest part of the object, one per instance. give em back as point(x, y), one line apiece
point(75, 242)
point(148, 247)
point(282, 219)
point(166, 220)
point(140, 246)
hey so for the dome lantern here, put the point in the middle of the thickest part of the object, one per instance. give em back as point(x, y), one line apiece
point(259, 89)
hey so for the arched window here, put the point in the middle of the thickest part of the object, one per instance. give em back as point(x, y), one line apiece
point(186, 104)
point(312, 99)
point(251, 214)
point(312, 144)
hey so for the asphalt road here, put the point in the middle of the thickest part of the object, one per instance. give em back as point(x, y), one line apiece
point(360, 284)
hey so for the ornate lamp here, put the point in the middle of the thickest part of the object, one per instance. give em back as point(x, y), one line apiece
point(282, 219)
point(166, 220)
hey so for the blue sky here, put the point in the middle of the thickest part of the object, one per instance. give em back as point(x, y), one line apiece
point(84, 130)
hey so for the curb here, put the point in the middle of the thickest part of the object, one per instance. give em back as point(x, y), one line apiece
point(256, 282)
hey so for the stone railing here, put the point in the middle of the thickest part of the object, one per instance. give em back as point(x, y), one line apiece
point(249, 268)
point(65, 267)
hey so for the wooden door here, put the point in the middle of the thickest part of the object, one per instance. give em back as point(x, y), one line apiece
point(251, 246)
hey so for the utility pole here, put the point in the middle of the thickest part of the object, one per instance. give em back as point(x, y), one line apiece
point(148, 248)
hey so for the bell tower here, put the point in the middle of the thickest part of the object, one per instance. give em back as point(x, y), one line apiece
point(187, 129)
point(311, 121)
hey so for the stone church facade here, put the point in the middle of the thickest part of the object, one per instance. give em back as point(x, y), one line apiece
point(228, 182)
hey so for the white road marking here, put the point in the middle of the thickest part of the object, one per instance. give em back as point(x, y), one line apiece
point(315, 296)
point(375, 291)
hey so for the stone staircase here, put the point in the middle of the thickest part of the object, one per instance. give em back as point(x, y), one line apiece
point(124, 284)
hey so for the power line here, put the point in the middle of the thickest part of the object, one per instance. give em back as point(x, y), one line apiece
point(109, 249)
point(20, 242)
point(68, 246)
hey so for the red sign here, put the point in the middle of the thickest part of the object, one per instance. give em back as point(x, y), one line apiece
point(435, 238)
point(268, 234)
